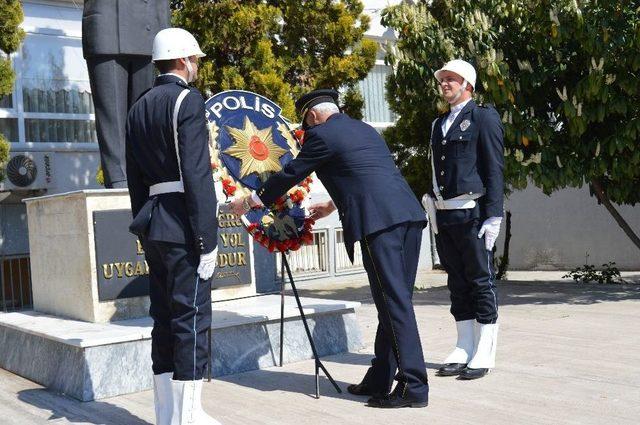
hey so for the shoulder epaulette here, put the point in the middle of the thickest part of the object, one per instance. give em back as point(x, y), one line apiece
point(486, 105)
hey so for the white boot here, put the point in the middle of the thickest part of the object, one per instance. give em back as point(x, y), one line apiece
point(485, 353)
point(465, 344)
point(187, 404)
point(163, 398)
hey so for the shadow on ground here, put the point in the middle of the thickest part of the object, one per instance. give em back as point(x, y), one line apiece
point(273, 379)
point(94, 412)
point(509, 293)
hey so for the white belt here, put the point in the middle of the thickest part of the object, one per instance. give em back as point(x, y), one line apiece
point(166, 187)
point(462, 202)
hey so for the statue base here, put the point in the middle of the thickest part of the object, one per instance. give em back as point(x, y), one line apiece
point(90, 361)
point(86, 265)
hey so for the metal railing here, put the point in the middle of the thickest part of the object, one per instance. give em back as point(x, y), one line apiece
point(15, 283)
point(312, 259)
point(343, 264)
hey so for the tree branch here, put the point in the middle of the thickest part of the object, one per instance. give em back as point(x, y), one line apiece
point(598, 189)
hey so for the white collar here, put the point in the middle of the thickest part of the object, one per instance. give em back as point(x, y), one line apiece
point(175, 75)
point(457, 108)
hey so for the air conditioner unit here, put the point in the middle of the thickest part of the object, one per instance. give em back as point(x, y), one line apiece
point(26, 171)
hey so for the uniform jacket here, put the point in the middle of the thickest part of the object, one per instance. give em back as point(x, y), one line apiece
point(122, 27)
point(189, 217)
point(355, 166)
point(470, 160)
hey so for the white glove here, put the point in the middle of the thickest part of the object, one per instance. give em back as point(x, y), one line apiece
point(490, 230)
point(430, 207)
point(207, 264)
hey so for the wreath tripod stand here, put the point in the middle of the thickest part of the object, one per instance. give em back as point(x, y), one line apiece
point(318, 364)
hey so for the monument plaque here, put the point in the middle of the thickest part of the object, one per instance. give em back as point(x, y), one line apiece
point(233, 265)
point(123, 272)
point(121, 267)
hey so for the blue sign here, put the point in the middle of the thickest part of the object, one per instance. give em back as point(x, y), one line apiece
point(252, 138)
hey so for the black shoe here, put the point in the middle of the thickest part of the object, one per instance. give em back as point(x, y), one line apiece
point(396, 400)
point(361, 389)
point(451, 369)
point(468, 373)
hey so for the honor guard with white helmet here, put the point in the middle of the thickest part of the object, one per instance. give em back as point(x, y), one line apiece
point(465, 208)
point(174, 208)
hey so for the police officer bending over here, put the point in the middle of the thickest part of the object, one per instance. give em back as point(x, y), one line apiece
point(465, 210)
point(174, 210)
point(377, 208)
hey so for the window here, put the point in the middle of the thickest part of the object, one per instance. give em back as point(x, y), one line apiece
point(9, 129)
point(8, 118)
point(15, 283)
point(51, 102)
point(376, 109)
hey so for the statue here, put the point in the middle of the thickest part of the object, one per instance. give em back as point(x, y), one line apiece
point(117, 36)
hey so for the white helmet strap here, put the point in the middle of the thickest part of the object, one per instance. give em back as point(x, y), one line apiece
point(462, 89)
point(190, 73)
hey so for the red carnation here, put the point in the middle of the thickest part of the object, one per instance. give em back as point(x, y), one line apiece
point(228, 187)
point(300, 136)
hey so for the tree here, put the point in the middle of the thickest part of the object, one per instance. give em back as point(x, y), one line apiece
point(563, 74)
point(11, 36)
point(280, 49)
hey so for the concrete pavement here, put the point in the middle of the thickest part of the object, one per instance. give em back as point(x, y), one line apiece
point(567, 354)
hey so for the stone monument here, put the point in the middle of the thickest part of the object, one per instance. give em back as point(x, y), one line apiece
point(89, 333)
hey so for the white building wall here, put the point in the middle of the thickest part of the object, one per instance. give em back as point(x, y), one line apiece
point(567, 229)
point(50, 111)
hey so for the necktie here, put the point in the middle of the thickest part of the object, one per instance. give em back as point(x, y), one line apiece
point(450, 119)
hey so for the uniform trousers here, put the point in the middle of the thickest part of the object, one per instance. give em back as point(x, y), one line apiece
point(116, 83)
point(391, 260)
point(180, 308)
point(471, 278)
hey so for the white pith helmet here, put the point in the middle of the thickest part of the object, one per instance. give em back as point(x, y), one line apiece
point(460, 67)
point(175, 43)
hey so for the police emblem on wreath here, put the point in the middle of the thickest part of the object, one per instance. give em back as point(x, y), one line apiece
point(248, 142)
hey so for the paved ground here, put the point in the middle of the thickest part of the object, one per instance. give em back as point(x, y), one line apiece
point(568, 354)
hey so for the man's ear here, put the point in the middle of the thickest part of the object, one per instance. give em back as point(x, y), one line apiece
point(312, 116)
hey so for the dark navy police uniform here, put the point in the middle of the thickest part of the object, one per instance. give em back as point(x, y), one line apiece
point(469, 160)
point(377, 208)
point(174, 208)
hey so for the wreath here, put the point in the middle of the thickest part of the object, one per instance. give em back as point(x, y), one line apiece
point(283, 226)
